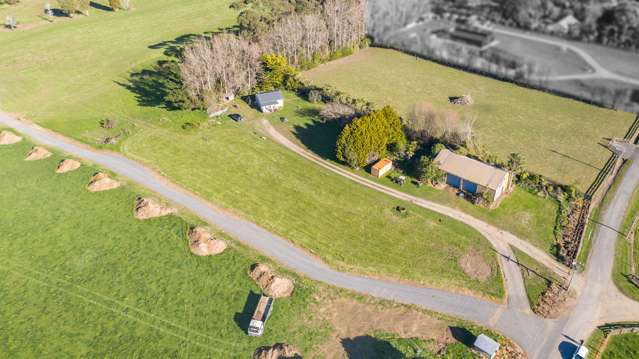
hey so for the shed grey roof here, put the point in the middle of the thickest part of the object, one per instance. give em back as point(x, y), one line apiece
point(486, 344)
point(269, 98)
point(470, 169)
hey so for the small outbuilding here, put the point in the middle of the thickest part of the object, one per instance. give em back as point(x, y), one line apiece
point(474, 177)
point(486, 346)
point(382, 167)
point(473, 36)
point(565, 24)
point(268, 102)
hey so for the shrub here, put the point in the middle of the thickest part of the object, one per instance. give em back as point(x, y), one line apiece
point(315, 96)
point(276, 73)
point(369, 137)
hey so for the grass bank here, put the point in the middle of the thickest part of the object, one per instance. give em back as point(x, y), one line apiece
point(82, 278)
point(564, 146)
point(537, 277)
point(624, 250)
point(526, 215)
point(348, 226)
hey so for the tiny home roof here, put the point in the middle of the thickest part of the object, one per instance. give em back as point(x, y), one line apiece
point(469, 169)
point(472, 34)
point(486, 344)
point(269, 98)
point(382, 163)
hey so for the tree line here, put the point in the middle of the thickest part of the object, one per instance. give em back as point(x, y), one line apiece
point(216, 66)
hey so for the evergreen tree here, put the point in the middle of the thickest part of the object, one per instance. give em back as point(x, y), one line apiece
point(370, 137)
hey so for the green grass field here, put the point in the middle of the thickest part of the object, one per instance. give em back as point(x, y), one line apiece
point(619, 346)
point(536, 276)
point(68, 75)
point(622, 256)
point(345, 224)
point(79, 82)
point(522, 213)
point(622, 346)
point(557, 137)
point(82, 278)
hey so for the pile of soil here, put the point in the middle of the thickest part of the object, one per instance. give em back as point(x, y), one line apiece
point(9, 138)
point(101, 182)
point(354, 321)
point(465, 100)
point(67, 165)
point(277, 351)
point(272, 284)
point(475, 266)
point(551, 302)
point(146, 208)
point(202, 243)
point(37, 153)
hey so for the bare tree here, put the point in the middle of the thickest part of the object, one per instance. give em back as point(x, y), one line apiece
point(336, 111)
point(425, 123)
point(218, 66)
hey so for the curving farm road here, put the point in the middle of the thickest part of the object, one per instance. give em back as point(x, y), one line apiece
point(540, 338)
point(600, 72)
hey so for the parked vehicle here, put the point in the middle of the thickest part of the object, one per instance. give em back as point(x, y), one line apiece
point(581, 352)
point(260, 316)
point(236, 117)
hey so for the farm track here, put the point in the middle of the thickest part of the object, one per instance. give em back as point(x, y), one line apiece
point(500, 239)
point(599, 302)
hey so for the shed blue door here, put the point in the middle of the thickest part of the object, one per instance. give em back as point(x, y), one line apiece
point(453, 181)
point(470, 187)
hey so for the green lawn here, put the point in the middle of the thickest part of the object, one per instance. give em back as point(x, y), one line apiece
point(77, 80)
point(622, 255)
point(557, 137)
point(80, 277)
point(618, 346)
point(536, 276)
point(70, 74)
point(347, 225)
point(622, 346)
point(526, 215)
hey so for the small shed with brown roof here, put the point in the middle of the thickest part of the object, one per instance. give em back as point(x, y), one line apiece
point(382, 167)
point(473, 176)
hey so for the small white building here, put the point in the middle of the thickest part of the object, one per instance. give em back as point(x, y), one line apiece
point(472, 176)
point(269, 102)
point(486, 346)
point(565, 24)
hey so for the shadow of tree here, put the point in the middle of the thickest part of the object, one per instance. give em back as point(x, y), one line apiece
point(368, 347)
point(319, 137)
point(243, 319)
point(463, 336)
point(173, 48)
point(99, 6)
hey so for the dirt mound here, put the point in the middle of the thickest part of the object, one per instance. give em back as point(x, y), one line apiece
point(67, 166)
point(202, 243)
point(9, 138)
point(465, 100)
point(475, 266)
point(552, 301)
point(277, 351)
point(101, 182)
point(38, 153)
point(146, 208)
point(272, 284)
point(354, 321)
